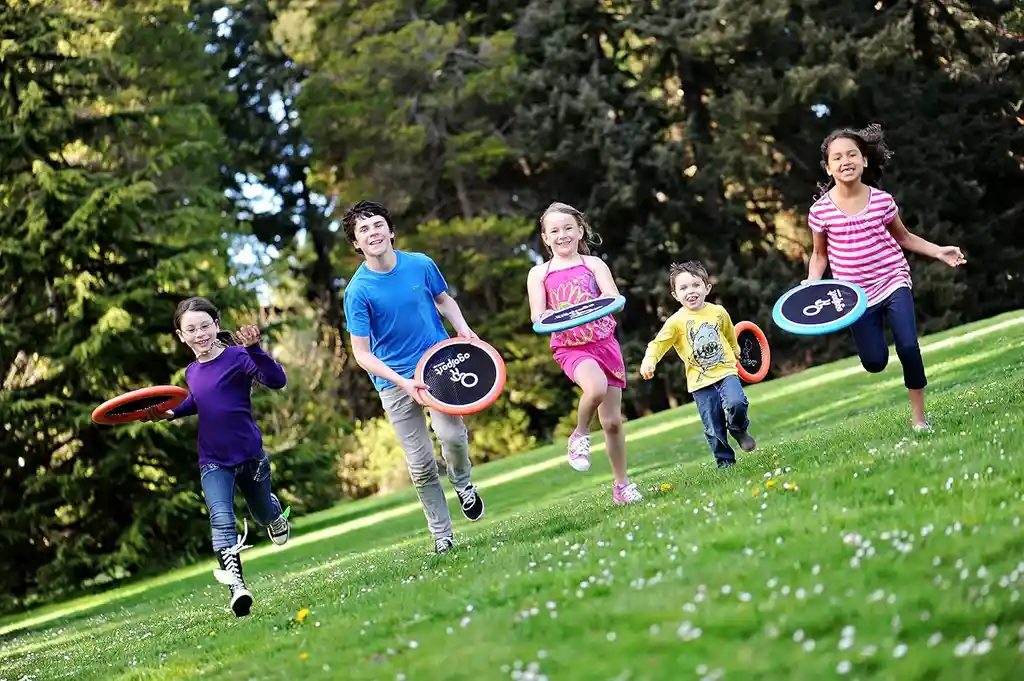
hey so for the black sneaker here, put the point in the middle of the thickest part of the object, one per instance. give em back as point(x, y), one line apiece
point(444, 544)
point(230, 573)
point(472, 503)
point(726, 463)
point(746, 442)
point(280, 530)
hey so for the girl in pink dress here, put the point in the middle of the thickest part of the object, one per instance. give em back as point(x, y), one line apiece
point(589, 354)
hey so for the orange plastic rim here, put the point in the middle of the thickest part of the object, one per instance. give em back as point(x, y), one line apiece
point(148, 397)
point(480, 404)
point(766, 354)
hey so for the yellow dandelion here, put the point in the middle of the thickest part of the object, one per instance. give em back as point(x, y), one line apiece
point(302, 615)
point(666, 486)
point(303, 656)
point(770, 483)
point(757, 490)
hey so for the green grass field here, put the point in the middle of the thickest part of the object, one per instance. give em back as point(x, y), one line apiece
point(894, 557)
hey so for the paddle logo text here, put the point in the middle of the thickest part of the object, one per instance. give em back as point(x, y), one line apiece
point(579, 311)
point(835, 298)
point(746, 358)
point(466, 378)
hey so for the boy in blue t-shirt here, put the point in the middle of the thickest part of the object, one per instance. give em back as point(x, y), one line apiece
point(392, 306)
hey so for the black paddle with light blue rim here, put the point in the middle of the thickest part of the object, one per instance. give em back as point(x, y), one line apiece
point(571, 316)
point(820, 307)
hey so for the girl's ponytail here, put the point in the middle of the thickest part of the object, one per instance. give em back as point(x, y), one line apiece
point(876, 151)
point(823, 188)
point(226, 337)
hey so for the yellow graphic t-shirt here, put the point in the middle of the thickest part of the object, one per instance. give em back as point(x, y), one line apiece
point(704, 339)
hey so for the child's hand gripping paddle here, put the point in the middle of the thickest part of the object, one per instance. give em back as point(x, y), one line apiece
point(579, 314)
point(464, 376)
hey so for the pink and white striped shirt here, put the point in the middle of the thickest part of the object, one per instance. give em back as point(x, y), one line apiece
point(861, 249)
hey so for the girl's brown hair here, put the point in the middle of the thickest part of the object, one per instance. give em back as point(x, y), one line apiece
point(590, 237)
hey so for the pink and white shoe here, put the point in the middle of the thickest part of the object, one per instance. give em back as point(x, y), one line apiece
point(626, 494)
point(579, 451)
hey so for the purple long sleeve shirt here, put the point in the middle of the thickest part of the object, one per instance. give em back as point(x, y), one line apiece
point(221, 393)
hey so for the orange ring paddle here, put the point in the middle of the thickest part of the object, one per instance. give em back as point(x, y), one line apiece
point(464, 376)
point(752, 349)
point(134, 405)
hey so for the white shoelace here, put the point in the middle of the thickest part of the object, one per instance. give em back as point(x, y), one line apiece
point(468, 497)
point(579, 446)
point(231, 577)
point(279, 525)
point(631, 493)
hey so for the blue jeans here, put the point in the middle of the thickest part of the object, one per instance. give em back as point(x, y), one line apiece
point(869, 335)
point(253, 479)
point(723, 410)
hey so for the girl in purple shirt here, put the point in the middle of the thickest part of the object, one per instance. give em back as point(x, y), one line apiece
point(230, 443)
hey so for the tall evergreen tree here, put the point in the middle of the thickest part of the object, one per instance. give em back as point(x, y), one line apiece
point(926, 72)
point(695, 130)
point(409, 104)
point(406, 102)
point(595, 134)
point(111, 214)
point(270, 144)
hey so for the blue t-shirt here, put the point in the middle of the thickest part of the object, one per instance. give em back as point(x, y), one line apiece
point(396, 310)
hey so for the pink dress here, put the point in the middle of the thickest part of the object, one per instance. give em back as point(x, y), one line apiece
point(594, 340)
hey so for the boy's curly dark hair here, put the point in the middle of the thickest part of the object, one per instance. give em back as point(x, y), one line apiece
point(692, 267)
point(360, 211)
point(871, 142)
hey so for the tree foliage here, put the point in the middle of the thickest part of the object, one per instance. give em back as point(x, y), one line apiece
point(109, 217)
point(133, 134)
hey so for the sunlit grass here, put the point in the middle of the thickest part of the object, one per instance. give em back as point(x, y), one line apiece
point(844, 547)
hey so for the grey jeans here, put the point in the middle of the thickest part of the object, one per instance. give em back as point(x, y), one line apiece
point(410, 424)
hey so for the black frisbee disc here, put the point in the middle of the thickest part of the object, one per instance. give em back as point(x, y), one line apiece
point(820, 307)
point(579, 314)
point(463, 375)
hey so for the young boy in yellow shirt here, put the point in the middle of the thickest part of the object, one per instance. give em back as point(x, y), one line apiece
point(704, 338)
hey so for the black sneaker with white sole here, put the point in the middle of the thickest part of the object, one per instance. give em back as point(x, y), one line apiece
point(230, 573)
point(280, 530)
point(443, 545)
point(472, 503)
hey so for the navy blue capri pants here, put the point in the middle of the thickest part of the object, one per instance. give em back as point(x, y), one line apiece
point(869, 335)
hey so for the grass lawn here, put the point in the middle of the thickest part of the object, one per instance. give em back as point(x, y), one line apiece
point(844, 547)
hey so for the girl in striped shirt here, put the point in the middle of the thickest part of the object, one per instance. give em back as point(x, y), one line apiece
point(858, 231)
